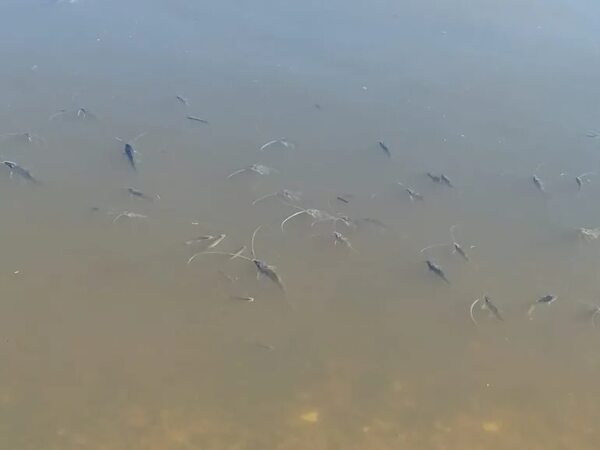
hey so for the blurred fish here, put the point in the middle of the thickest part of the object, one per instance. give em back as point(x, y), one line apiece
point(20, 171)
point(385, 149)
point(433, 267)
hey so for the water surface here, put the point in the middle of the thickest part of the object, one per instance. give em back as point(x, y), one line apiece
point(109, 340)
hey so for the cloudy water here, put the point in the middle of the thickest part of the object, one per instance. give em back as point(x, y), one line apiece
point(126, 322)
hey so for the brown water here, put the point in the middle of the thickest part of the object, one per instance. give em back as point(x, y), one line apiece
point(108, 340)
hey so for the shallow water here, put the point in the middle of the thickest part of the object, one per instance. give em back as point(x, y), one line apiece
point(110, 341)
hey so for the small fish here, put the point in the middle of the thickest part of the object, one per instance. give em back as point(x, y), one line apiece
point(445, 180)
point(458, 249)
point(21, 171)
point(437, 270)
point(269, 272)
point(489, 305)
point(440, 179)
point(538, 183)
point(85, 114)
point(350, 223)
point(263, 269)
point(130, 154)
point(342, 199)
point(243, 298)
point(318, 216)
point(583, 178)
point(339, 238)
point(434, 178)
point(182, 100)
point(385, 149)
point(545, 300)
point(414, 195)
point(135, 193)
point(291, 196)
point(128, 149)
point(197, 119)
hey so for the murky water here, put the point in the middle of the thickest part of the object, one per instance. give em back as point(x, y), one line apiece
point(109, 340)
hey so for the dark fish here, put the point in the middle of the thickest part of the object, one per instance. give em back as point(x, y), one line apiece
point(547, 299)
point(434, 178)
point(437, 270)
point(139, 194)
point(414, 195)
point(460, 251)
point(21, 171)
point(579, 182)
point(182, 100)
point(489, 305)
point(440, 179)
point(342, 199)
point(538, 183)
point(130, 154)
point(197, 119)
point(385, 148)
point(269, 272)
